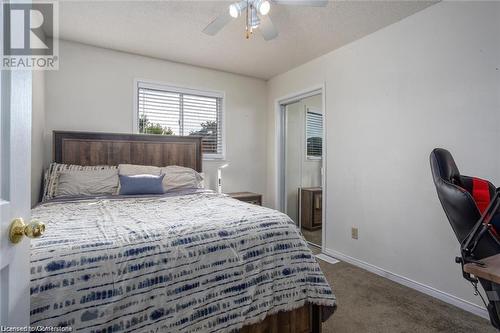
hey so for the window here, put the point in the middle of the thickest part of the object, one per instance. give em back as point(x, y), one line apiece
point(314, 135)
point(178, 111)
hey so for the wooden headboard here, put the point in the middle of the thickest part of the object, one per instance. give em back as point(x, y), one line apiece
point(84, 148)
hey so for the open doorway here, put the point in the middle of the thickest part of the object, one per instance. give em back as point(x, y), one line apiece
point(301, 163)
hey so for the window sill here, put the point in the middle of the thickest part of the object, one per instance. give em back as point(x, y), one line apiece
point(214, 157)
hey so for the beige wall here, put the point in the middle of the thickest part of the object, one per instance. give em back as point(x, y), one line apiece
point(93, 90)
point(430, 80)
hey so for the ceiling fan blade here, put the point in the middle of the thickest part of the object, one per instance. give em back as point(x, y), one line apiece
point(311, 3)
point(267, 28)
point(216, 25)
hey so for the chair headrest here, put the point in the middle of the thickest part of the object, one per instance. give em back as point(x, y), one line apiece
point(446, 168)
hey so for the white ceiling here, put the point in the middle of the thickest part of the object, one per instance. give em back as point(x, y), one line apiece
point(172, 30)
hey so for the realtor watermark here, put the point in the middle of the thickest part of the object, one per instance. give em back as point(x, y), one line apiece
point(30, 35)
point(35, 329)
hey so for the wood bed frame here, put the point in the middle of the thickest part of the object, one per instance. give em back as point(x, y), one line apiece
point(87, 148)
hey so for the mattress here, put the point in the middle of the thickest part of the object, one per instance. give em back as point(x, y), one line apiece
point(185, 262)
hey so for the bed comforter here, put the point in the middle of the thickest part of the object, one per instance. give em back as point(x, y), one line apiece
point(197, 262)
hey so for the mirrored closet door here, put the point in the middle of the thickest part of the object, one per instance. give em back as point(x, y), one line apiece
point(303, 164)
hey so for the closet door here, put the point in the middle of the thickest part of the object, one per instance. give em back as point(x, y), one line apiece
point(293, 155)
point(303, 143)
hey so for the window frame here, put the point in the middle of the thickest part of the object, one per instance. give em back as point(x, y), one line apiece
point(318, 112)
point(142, 83)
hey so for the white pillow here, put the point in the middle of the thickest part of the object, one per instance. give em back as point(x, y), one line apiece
point(135, 169)
point(177, 177)
point(87, 182)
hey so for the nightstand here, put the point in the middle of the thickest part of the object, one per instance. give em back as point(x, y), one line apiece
point(249, 197)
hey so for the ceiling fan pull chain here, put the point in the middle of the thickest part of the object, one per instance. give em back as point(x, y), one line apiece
point(247, 23)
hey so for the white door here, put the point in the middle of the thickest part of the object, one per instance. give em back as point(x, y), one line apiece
point(15, 164)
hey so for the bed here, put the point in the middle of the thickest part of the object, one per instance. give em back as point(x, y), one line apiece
point(186, 261)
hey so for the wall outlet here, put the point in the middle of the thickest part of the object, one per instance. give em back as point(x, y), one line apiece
point(354, 233)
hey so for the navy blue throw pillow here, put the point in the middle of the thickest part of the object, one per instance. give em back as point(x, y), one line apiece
point(141, 184)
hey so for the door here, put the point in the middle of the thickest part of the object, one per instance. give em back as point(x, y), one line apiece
point(303, 128)
point(15, 164)
point(293, 158)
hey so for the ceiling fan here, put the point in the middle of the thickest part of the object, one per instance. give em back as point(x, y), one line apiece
point(256, 16)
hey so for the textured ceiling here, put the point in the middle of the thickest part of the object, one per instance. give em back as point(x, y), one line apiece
point(172, 30)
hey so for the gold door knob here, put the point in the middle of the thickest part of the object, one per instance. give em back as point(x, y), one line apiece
point(18, 229)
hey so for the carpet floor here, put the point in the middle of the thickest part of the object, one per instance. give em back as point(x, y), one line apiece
point(370, 303)
point(313, 236)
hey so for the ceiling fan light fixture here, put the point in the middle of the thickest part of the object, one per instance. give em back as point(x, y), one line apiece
point(236, 8)
point(233, 11)
point(256, 15)
point(263, 6)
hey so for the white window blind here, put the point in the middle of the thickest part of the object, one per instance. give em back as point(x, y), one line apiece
point(314, 134)
point(173, 111)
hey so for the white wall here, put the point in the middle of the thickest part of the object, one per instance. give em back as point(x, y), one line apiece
point(430, 80)
point(93, 90)
point(37, 135)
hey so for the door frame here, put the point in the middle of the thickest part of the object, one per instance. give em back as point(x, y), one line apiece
point(280, 151)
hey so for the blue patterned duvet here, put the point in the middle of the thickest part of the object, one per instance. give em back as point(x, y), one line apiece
point(200, 262)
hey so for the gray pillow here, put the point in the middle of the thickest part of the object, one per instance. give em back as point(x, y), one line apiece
point(141, 184)
point(87, 182)
point(51, 177)
point(177, 177)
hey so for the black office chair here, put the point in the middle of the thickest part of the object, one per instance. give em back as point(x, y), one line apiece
point(471, 206)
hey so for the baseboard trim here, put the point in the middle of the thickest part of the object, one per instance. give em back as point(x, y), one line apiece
point(441, 295)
